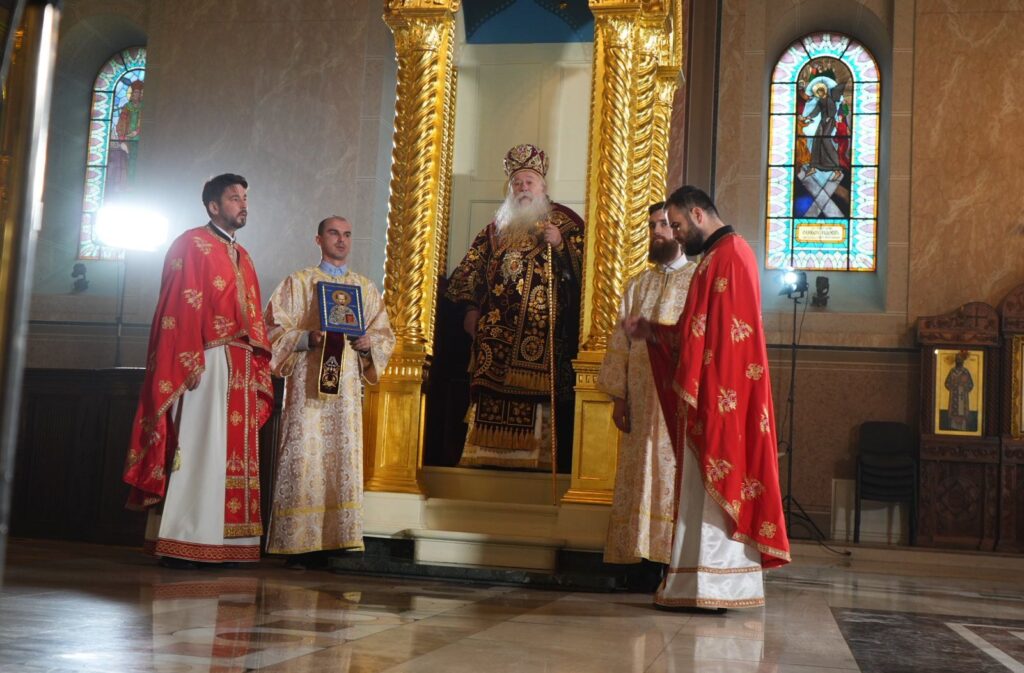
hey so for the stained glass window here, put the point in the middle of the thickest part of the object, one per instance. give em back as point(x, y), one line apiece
point(115, 126)
point(823, 157)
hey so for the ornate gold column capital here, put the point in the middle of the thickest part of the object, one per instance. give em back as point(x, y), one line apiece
point(420, 25)
point(422, 7)
point(678, 14)
point(600, 8)
point(668, 78)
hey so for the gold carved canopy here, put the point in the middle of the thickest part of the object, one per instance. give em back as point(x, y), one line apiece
point(639, 46)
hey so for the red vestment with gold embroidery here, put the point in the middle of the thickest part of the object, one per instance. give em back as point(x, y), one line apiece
point(209, 297)
point(711, 370)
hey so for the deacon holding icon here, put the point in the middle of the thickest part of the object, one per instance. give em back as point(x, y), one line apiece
point(328, 331)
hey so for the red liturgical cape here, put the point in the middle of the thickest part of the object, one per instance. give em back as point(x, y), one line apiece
point(207, 299)
point(714, 362)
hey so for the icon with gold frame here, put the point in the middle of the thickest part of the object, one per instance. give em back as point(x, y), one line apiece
point(959, 392)
point(341, 308)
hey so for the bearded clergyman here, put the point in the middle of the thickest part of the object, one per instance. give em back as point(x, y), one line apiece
point(523, 343)
point(643, 508)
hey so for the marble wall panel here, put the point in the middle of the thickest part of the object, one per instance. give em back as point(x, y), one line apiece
point(966, 212)
point(297, 96)
point(899, 211)
point(691, 140)
point(897, 281)
point(729, 148)
point(835, 392)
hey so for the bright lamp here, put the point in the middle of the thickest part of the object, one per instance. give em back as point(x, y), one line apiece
point(130, 227)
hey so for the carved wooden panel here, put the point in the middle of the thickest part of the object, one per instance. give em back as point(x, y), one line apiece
point(1011, 497)
point(1011, 309)
point(73, 435)
point(973, 324)
point(1011, 404)
point(959, 480)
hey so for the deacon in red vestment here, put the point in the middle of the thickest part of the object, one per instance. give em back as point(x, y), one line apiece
point(711, 370)
point(193, 460)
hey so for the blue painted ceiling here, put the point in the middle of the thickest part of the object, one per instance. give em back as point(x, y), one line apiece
point(527, 21)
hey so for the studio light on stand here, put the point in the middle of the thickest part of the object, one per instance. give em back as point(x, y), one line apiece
point(128, 227)
point(794, 286)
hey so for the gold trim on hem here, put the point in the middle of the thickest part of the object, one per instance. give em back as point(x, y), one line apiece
point(348, 544)
point(709, 602)
point(763, 548)
point(535, 381)
point(232, 530)
point(503, 439)
point(242, 482)
point(714, 571)
point(504, 462)
point(317, 510)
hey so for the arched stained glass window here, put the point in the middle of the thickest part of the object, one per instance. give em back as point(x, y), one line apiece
point(823, 157)
point(115, 126)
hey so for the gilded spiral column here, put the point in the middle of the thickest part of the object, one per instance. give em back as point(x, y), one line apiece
point(417, 233)
point(626, 172)
point(643, 145)
point(608, 174)
point(608, 210)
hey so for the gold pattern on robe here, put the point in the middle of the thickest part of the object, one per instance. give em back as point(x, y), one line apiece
point(194, 298)
point(318, 489)
point(645, 494)
point(204, 246)
point(740, 330)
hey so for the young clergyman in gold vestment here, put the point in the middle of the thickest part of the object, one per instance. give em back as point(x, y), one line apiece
point(318, 487)
point(643, 507)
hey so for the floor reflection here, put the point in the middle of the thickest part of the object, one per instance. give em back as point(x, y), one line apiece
point(69, 607)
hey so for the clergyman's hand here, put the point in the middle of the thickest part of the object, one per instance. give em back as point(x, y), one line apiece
point(315, 339)
point(620, 414)
point(192, 380)
point(637, 328)
point(552, 235)
point(362, 343)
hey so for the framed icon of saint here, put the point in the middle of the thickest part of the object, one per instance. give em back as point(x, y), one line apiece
point(341, 308)
point(959, 392)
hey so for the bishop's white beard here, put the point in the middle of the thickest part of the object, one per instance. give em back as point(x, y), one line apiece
point(516, 218)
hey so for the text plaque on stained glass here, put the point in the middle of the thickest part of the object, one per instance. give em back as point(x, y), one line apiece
point(823, 164)
point(341, 308)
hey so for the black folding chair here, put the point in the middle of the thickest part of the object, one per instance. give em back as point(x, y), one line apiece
point(886, 469)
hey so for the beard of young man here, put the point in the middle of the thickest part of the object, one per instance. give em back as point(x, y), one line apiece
point(693, 239)
point(663, 251)
point(520, 215)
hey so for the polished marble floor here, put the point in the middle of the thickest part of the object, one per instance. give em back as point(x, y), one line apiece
point(70, 607)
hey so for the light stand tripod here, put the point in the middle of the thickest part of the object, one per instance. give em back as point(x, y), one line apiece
point(795, 287)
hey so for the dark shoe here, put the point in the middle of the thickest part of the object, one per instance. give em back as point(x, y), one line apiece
point(294, 563)
point(645, 577)
point(177, 563)
point(691, 609)
point(314, 560)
